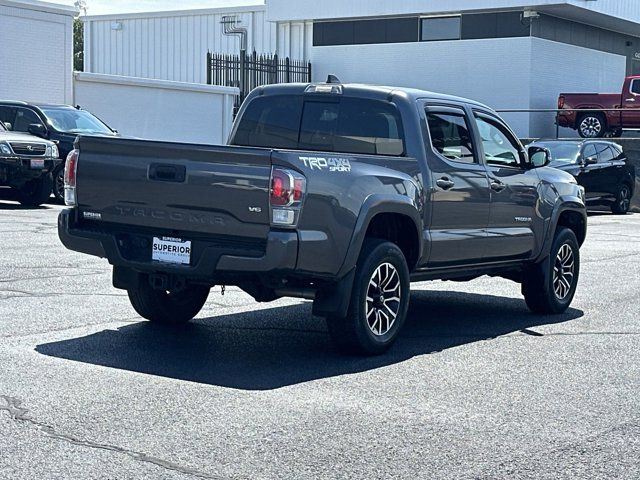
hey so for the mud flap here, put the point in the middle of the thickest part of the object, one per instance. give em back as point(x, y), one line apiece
point(334, 300)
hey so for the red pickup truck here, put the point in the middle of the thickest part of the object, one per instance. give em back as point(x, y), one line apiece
point(592, 124)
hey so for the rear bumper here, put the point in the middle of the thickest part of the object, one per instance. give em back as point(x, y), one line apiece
point(210, 258)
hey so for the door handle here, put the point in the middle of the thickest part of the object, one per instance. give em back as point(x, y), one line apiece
point(497, 186)
point(445, 183)
point(630, 100)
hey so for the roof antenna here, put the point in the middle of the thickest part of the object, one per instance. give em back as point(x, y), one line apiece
point(333, 79)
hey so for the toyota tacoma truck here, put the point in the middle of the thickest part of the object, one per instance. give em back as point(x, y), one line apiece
point(26, 163)
point(622, 111)
point(341, 194)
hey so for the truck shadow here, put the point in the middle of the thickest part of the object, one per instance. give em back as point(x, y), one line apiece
point(273, 348)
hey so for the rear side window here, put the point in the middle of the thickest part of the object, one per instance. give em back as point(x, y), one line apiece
point(635, 87)
point(8, 116)
point(605, 153)
point(450, 136)
point(352, 125)
point(271, 121)
point(24, 118)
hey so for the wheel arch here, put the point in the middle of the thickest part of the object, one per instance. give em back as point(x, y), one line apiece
point(386, 217)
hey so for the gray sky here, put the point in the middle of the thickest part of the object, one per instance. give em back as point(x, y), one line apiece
point(99, 7)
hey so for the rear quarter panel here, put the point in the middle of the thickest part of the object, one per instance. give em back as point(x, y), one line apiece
point(338, 185)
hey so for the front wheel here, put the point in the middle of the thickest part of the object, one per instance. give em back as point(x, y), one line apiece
point(622, 203)
point(591, 125)
point(379, 301)
point(35, 192)
point(58, 183)
point(549, 286)
point(168, 307)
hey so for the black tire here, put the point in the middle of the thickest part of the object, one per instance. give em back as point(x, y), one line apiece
point(169, 308)
point(543, 290)
point(623, 200)
point(358, 333)
point(35, 192)
point(617, 133)
point(592, 125)
point(58, 183)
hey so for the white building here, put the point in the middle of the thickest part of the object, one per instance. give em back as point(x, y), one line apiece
point(36, 51)
point(509, 54)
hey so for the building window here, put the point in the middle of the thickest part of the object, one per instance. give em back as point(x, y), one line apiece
point(494, 25)
point(439, 28)
point(362, 32)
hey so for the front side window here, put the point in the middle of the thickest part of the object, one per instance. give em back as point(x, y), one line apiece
point(450, 136)
point(589, 152)
point(24, 118)
point(499, 147)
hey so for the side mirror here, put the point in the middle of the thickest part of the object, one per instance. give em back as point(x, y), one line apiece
point(539, 157)
point(590, 161)
point(38, 130)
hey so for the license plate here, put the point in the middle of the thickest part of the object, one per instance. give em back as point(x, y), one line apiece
point(37, 163)
point(171, 250)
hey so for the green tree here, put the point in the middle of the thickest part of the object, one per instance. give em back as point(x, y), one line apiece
point(78, 45)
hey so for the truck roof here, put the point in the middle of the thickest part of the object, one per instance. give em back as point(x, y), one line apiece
point(380, 91)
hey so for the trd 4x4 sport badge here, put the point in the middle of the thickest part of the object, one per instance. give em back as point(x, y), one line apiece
point(333, 164)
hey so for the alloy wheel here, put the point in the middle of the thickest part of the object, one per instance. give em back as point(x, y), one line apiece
point(591, 127)
point(624, 201)
point(382, 304)
point(58, 184)
point(563, 271)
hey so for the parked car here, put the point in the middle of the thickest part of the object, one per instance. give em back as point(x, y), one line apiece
point(26, 163)
point(594, 124)
point(58, 123)
point(601, 167)
point(343, 194)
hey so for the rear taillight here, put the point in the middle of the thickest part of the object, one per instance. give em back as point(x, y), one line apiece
point(70, 170)
point(286, 196)
point(561, 102)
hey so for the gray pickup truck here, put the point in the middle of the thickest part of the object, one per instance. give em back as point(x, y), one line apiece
point(343, 194)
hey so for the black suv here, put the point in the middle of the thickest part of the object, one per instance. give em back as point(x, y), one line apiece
point(59, 123)
point(601, 167)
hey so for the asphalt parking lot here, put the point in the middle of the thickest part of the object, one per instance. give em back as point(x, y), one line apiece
point(477, 387)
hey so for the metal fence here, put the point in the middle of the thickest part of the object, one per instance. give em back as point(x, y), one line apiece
point(248, 71)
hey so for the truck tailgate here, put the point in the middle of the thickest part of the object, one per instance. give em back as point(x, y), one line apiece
point(185, 188)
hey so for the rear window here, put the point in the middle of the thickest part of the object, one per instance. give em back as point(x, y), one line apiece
point(347, 125)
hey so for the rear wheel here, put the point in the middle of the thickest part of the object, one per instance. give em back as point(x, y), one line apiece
point(35, 192)
point(549, 286)
point(168, 307)
point(379, 301)
point(623, 200)
point(591, 125)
